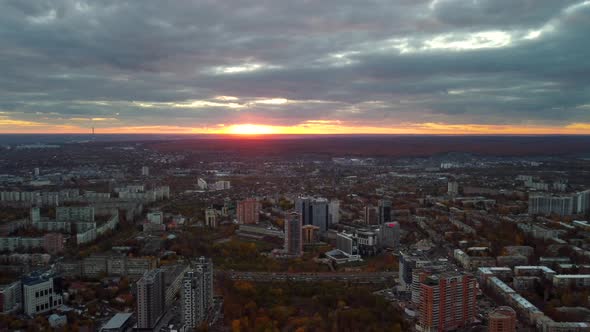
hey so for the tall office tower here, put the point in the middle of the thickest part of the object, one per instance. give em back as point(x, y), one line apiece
point(389, 234)
point(302, 206)
point(36, 172)
point(314, 211)
point(151, 299)
point(248, 211)
point(293, 234)
point(453, 188)
point(407, 264)
point(334, 212)
point(447, 302)
point(384, 211)
point(502, 319)
point(371, 215)
point(145, 171)
point(197, 293)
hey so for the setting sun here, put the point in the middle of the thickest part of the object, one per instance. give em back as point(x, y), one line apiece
point(250, 129)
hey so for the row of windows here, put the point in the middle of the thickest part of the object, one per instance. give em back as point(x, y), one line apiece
point(45, 306)
point(43, 292)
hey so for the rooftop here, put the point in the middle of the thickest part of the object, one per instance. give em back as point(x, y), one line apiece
point(524, 303)
point(502, 285)
point(572, 276)
point(36, 278)
point(537, 267)
point(117, 321)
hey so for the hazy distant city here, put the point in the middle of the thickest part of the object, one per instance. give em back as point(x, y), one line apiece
point(201, 234)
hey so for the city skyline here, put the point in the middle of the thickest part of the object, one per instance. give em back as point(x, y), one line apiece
point(341, 233)
point(398, 67)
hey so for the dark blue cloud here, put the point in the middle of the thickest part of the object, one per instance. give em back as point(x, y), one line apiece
point(362, 62)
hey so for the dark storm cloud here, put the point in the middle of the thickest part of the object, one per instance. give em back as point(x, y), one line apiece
point(360, 62)
point(497, 13)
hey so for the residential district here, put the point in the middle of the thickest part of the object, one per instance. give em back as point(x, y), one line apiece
point(135, 237)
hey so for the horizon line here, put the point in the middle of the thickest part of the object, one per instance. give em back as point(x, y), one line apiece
point(298, 134)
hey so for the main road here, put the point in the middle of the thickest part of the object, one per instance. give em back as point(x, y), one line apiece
point(354, 277)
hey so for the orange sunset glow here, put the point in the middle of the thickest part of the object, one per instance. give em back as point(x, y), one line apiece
point(420, 129)
point(308, 128)
point(251, 129)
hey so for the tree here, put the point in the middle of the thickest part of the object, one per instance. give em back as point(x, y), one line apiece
point(235, 325)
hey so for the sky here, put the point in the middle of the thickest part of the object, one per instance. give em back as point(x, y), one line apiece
point(295, 67)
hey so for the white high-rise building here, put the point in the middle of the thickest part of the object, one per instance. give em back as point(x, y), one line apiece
point(346, 243)
point(193, 311)
point(11, 297)
point(548, 204)
point(197, 293)
point(35, 215)
point(75, 214)
point(582, 201)
point(211, 218)
point(453, 188)
point(145, 171)
point(202, 184)
point(334, 212)
point(222, 185)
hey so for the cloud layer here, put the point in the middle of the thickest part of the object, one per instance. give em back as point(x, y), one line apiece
point(206, 65)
